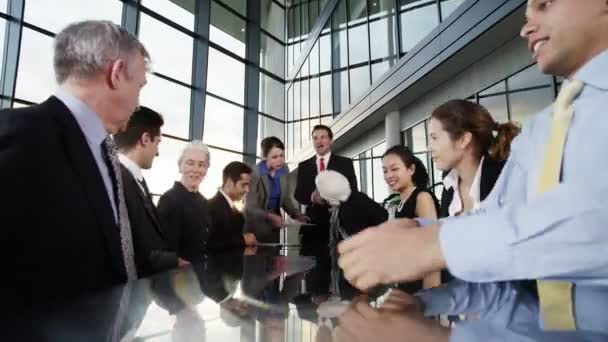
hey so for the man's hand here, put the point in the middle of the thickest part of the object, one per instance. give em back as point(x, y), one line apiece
point(390, 253)
point(363, 323)
point(181, 262)
point(250, 239)
point(250, 250)
point(275, 220)
point(315, 198)
point(302, 218)
point(398, 300)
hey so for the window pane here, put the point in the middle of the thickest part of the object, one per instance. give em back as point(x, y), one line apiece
point(314, 97)
point(268, 128)
point(172, 101)
point(379, 150)
point(226, 76)
point(326, 95)
point(383, 40)
point(238, 5)
point(379, 8)
point(419, 138)
point(3, 6)
point(46, 13)
point(325, 50)
point(297, 137)
point(340, 53)
point(170, 50)
point(358, 47)
point(340, 88)
point(305, 99)
point(290, 143)
point(357, 166)
point(379, 69)
point(273, 17)
point(297, 104)
point(227, 30)
point(326, 120)
point(290, 104)
point(2, 34)
point(417, 23)
point(314, 59)
point(449, 6)
point(527, 78)
point(527, 103)
point(498, 88)
point(180, 12)
point(272, 97)
point(356, 10)
point(218, 159)
point(380, 188)
point(359, 81)
point(35, 77)
point(272, 55)
point(497, 106)
point(305, 133)
point(369, 178)
point(165, 171)
point(424, 158)
point(219, 114)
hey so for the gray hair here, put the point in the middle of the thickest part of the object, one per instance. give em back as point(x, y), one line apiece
point(84, 48)
point(194, 145)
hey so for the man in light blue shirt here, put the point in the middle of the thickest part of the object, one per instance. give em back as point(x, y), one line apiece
point(517, 234)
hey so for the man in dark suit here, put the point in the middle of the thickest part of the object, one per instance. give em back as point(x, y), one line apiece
point(138, 145)
point(227, 222)
point(65, 227)
point(315, 239)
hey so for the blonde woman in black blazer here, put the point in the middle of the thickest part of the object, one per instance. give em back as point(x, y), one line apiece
point(270, 191)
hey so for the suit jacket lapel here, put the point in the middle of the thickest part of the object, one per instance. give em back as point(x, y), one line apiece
point(265, 190)
point(82, 160)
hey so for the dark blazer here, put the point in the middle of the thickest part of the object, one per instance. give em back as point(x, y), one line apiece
point(61, 237)
point(490, 171)
point(152, 253)
point(256, 205)
point(305, 186)
point(184, 219)
point(227, 225)
point(360, 212)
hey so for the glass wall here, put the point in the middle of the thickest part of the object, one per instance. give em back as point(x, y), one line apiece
point(360, 42)
point(167, 29)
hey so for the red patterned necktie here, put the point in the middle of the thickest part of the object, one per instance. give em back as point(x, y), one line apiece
point(322, 165)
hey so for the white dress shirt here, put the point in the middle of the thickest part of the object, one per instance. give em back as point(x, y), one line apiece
point(325, 160)
point(134, 169)
point(230, 201)
point(451, 181)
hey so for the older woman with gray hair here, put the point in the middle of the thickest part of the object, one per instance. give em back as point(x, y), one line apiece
point(183, 210)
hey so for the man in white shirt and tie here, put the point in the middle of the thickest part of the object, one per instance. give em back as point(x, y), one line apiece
point(138, 146)
point(546, 216)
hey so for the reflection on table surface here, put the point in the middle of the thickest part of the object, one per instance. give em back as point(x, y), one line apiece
point(274, 294)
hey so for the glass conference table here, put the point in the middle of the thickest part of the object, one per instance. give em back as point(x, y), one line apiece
point(270, 293)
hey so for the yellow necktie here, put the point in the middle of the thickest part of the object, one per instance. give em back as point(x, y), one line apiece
point(556, 296)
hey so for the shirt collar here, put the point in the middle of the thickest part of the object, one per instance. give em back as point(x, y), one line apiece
point(87, 119)
point(325, 157)
point(131, 166)
point(451, 181)
point(594, 72)
point(230, 202)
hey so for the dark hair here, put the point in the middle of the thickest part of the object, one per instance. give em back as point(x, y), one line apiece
point(234, 170)
point(325, 128)
point(491, 138)
point(144, 120)
point(420, 178)
point(269, 143)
